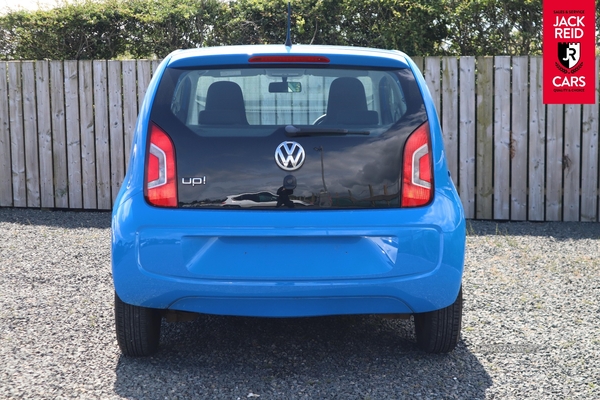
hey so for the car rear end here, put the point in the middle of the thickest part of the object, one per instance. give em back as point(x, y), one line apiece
point(281, 182)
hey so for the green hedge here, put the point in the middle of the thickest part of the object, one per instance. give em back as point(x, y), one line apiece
point(153, 28)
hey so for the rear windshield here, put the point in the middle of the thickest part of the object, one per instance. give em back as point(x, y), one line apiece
point(250, 101)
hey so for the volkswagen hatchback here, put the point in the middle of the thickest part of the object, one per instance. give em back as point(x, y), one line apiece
point(363, 217)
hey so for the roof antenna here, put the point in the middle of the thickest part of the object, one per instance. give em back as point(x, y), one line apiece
point(288, 39)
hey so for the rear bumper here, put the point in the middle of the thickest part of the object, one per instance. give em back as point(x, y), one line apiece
point(282, 263)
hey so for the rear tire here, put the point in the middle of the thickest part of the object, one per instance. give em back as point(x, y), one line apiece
point(439, 331)
point(138, 329)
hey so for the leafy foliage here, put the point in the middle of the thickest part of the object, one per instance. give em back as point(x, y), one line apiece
point(495, 27)
point(152, 28)
point(90, 30)
point(414, 27)
point(157, 27)
point(109, 29)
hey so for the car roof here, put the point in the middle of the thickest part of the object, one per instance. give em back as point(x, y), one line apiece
point(240, 55)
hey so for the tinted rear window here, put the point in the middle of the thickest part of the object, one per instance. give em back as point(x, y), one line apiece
point(250, 101)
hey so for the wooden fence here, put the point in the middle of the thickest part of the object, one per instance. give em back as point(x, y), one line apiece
point(66, 126)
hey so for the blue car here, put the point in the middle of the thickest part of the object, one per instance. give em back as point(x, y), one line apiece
point(363, 218)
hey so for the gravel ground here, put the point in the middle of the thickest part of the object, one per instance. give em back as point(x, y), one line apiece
point(531, 327)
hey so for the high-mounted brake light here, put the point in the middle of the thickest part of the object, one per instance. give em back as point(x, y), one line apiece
point(288, 59)
point(417, 171)
point(160, 183)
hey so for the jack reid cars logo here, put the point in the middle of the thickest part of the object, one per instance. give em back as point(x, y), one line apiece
point(289, 156)
point(568, 54)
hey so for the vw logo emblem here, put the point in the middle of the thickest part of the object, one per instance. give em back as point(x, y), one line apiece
point(289, 156)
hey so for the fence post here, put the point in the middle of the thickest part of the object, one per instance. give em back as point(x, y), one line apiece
point(485, 138)
point(6, 192)
point(518, 139)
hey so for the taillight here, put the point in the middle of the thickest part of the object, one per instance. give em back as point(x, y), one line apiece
point(160, 182)
point(417, 173)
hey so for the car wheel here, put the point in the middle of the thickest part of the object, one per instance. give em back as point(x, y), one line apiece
point(138, 328)
point(439, 331)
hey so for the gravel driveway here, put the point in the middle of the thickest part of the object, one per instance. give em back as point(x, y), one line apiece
point(531, 327)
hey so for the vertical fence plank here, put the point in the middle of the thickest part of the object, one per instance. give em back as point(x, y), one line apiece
point(589, 158)
point(252, 112)
point(154, 65)
point(88, 152)
point(554, 162)
point(267, 104)
point(144, 74)
point(466, 125)
point(502, 137)
point(73, 134)
point(419, 62)
point(32, 164)
point(572, 162)
point(44, 125)
point(432, 77)
point(59, 144)
point(101, 131)
point(449, 112)
point(130, 105)
point(283, 114)
point(518, 140)
point(485, 139)
point(17, 142)
point(115, 110)
point(300, 108)
point(537, 139)
point(313, 85)
point(6, 194)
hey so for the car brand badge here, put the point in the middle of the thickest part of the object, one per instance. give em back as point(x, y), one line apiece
point(289, 156)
